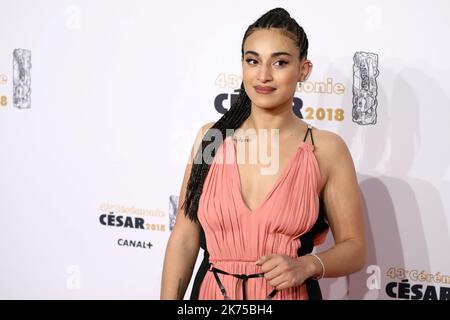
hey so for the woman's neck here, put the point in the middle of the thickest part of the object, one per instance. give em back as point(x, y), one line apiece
point(279, 118)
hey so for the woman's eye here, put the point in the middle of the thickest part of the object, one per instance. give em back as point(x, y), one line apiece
point(282, 62)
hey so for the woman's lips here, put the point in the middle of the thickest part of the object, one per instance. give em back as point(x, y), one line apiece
point(264, 90)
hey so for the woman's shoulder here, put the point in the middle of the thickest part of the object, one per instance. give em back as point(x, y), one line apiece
point(328, 141)
point(207, 125)
point(331, 152)
point(201, 132)
point(203, 129)
point(199, 137)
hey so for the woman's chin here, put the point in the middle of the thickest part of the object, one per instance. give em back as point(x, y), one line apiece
point(266, 104)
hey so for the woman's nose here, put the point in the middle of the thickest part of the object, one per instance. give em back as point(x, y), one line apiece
point(264, 73)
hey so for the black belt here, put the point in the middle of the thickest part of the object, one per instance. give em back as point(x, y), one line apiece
point(243, 277)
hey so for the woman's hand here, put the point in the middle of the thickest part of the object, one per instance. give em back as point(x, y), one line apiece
point(283, 271)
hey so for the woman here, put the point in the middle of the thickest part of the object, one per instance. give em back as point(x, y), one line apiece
point(258, 230)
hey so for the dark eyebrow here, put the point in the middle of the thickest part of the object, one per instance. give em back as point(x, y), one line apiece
point(274, 54)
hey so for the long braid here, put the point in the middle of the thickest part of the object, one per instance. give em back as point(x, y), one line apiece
point(240, 110)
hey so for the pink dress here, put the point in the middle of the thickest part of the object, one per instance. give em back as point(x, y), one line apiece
point(236, 236)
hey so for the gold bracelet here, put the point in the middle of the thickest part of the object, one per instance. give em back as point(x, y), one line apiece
point(321, 263)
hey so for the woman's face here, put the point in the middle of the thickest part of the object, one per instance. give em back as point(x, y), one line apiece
point(261, 67)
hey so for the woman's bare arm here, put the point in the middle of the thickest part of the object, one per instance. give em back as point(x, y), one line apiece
point(184, 242)
point(343, 205)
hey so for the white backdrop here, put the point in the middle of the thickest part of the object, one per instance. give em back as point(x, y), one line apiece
point(118, 91)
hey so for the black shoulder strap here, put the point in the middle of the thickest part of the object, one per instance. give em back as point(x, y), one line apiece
point(309, 131)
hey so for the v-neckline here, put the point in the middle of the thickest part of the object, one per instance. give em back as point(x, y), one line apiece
point(277, 181)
